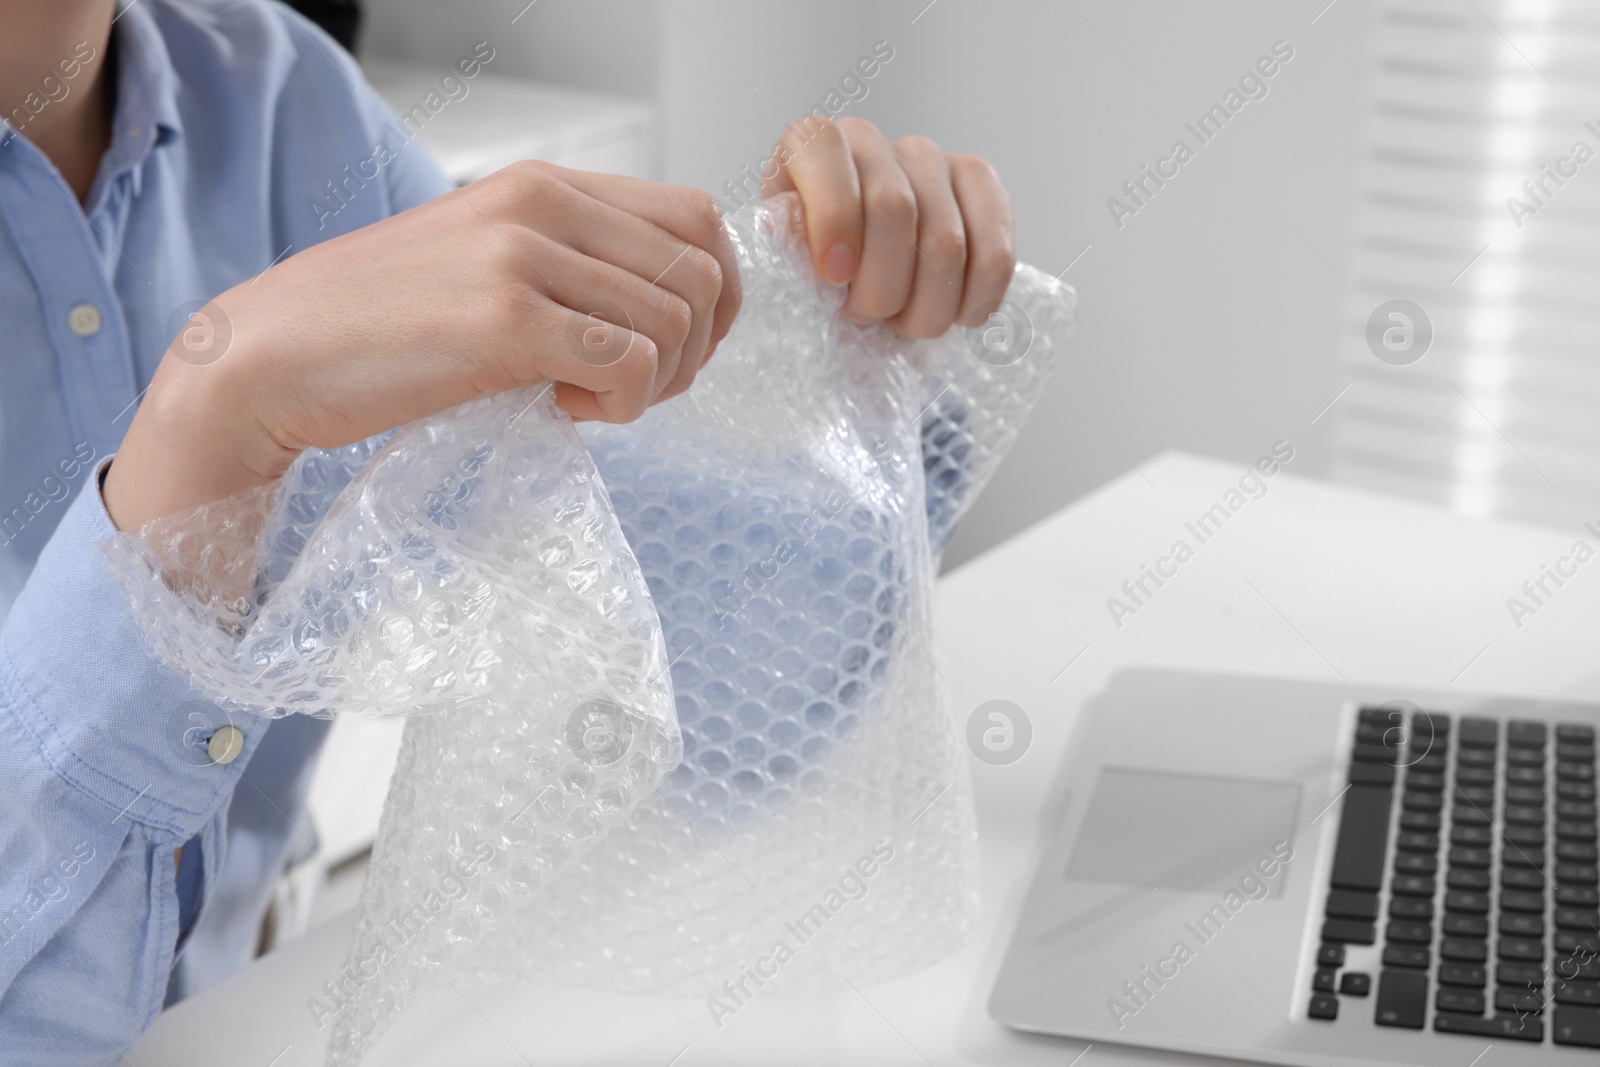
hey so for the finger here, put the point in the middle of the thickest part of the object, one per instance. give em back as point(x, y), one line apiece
point(607, 294)
point(882, 284)
point(815, 159)
point(613, 390)
point(941, 242)
point(658, 257)
point(991, 250)
point(688, 214)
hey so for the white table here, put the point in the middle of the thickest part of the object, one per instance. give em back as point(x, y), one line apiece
point(1312, 580)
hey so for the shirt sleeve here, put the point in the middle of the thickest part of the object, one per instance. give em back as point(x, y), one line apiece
point(106, 771)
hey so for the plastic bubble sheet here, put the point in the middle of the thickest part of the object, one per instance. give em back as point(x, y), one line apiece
point(672, 718)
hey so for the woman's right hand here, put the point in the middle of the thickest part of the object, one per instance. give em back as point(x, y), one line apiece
point(616, 288)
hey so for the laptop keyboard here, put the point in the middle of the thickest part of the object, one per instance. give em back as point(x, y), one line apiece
point(1485, 903)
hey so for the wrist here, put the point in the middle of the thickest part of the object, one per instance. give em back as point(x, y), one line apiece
point(196, 438)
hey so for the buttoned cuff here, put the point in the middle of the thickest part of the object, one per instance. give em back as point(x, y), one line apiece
point(104, 714)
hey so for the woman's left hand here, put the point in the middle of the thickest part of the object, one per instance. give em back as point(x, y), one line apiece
point(923, 238)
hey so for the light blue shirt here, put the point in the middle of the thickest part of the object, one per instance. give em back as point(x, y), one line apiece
point(232, 119)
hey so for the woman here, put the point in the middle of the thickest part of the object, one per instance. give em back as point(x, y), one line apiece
point(170, 156)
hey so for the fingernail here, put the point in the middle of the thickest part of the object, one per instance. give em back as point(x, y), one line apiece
point(838, 264)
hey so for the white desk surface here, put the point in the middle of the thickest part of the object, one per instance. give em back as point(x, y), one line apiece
point(1313, 580)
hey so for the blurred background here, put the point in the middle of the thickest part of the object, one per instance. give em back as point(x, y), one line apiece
point(1414, 150)
point(1228, 308)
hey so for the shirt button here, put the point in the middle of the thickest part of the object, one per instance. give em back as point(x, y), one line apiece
point(225, 745)
point(84, 320)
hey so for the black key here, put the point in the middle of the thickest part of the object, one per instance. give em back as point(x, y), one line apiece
point(1378, 753)
point(1581, 810)
point(1475, 775)
point(1574, 874)
point(1518, 856)
point(1371, 774)
point(1575, 831)
point(1521, 900)
point(1405, 956)
point(1577, 919)
point(1525, 733)
point(1464, 948)
point(1413, 885)
point(1575, 753)
point(1424, 821)
point(1468, 1000)
point(1457, 925)
point(1531, 795)
point(1429, 733)
point(1434, 764)
point(1575, 733)
point(1469, 857)
point(1575, 852)
point(1575, 790)
point(1472, 836)
point(1479, 795)
point(1572, 968)
point(1476, 757)
point(1462, 900)
point(1584, 993)
point(1425, 783)
point(1348, 904)
point(1575, 772)
point(1521, 878)
point(1420, 863)
point(1352, 931)
point(1518, 1000)
point(1330, 956)
point(1519, 948)
point(1576, 1026)
point(1478, 733)
point(1462, 974)
point(1355, 983)
point(1525, 1028)
point(1525, 835)
point(1323, 1006)
point(1521, 925)
point(1520, 974)
point(1414, 842)
point(1469, 816)
point(1363, 837)
point(1409, 933)
point(1468, 879)
point(1569, 941)
point(1525, 775)
point(1423, 802)
point(1402, 999)
point(1578, 896)
point(1373, 733)
point(1525, 757)
point(1522, 815)
point(1379, 716)
point(1410, 908)
point(1322, 981)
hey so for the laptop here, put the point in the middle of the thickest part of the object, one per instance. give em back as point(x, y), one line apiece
point(1319, 875)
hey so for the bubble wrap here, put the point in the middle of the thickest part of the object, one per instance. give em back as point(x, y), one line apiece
point(669, 690)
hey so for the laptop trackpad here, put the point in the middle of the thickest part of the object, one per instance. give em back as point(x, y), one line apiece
point(1181, 831)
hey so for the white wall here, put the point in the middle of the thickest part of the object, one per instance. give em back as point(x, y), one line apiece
point(1207, 322)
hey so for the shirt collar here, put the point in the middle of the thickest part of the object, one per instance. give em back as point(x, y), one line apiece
point(147, 86)
point(147, 89)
